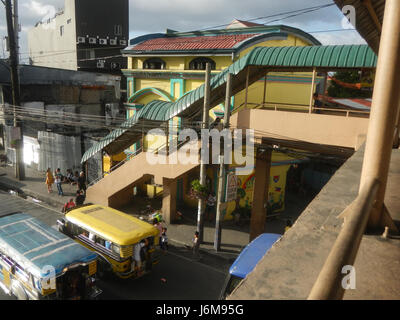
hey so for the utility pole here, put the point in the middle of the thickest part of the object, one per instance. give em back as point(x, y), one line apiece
point(16, 29)
point(17, 132)
point(222, 167)
point(203, 166)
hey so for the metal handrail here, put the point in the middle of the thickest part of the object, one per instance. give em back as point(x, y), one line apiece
point(344, 251)
point(119, 164)
point(155, 151)
point(294, 107)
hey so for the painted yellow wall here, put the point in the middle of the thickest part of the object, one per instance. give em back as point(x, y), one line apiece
point(161, 84)
point(277, 185)
point(108, 161)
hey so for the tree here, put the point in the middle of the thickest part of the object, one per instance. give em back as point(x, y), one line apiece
point(336, 90)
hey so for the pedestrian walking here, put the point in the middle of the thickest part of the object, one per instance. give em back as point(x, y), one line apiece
point(138, 257)
point(58, 178)
point(49, 180)
point(157, 224)
point(82, 182)
point(164, 240)
point(196, 244)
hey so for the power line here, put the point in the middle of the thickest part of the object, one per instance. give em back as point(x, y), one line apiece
point(272, 16)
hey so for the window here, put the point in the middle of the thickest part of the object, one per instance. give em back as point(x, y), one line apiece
point(90, 54)
point(200, 64)
point(154, 63)
point(118, 30)
point(115, 249)
point(61, 31)
point(69, 21)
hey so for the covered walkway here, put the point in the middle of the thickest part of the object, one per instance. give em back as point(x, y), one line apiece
point(247, 70)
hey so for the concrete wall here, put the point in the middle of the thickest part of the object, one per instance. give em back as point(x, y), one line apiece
point(48, 47)
point(315, 128)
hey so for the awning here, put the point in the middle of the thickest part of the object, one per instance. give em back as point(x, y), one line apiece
point(359, 104)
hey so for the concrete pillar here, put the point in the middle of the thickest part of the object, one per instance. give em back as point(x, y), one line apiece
point(385, 103)
point(260, 196)
point(169, 213)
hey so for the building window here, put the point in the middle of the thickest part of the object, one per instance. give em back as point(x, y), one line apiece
point(154, 63)
point(69, 21)
point(61, 31)
point(200, 64)
point(90, 54)
point(118, 30)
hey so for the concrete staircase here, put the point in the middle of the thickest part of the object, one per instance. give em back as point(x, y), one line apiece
point(116, 188)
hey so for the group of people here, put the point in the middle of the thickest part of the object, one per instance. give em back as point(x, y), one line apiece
point(58, 178)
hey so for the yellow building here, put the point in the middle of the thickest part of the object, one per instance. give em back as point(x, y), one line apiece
point(168, 66)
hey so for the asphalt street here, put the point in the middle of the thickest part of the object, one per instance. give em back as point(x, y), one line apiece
point(176, 277)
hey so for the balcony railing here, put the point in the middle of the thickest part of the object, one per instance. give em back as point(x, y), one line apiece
point(300, 108)
point(344, 251)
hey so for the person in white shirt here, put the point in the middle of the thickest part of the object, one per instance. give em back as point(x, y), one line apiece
point(136, 256)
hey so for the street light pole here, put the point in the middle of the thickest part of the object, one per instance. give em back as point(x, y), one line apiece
point(222, 167)
point(203, 164)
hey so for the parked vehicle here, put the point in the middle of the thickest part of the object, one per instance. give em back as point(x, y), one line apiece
point(247, 260)
point(37, 262)
point(113, 235)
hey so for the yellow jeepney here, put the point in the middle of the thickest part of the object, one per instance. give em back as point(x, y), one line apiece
point(114, 236)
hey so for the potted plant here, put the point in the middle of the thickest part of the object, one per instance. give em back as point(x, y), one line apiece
point(198, 191)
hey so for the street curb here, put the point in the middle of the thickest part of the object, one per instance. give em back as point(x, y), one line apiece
point(33, 194)
point(207, 252)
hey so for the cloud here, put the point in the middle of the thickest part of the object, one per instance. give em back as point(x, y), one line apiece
point(150, 16)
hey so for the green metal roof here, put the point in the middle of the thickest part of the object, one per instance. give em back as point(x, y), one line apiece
point(261, 60)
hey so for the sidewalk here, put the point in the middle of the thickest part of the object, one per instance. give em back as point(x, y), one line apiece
point(234, 238)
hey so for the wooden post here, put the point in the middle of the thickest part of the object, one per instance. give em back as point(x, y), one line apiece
point(265, 89)
point(247, 87)
point(325, 87)
point(312, 90)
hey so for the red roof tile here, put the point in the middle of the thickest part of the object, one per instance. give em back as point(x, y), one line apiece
point(192, 43)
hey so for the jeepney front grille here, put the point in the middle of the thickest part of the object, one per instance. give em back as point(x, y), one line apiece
point(126, 251)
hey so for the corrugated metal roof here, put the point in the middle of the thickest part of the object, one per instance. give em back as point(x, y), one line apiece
point(34, 244)
point(211, 41)
point(191, 43)
point(261, 58)
point(366, 25)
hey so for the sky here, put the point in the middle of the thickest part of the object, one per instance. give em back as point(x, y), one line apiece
point(152, 16)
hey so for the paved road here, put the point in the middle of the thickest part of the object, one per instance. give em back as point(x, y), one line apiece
point(186, 279)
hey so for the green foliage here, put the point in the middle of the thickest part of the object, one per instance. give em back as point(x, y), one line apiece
point(335, 90)
point(198, 191)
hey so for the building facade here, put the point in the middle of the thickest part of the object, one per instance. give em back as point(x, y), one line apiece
point(62, 113)
point(86, 36)
point(168, 66)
